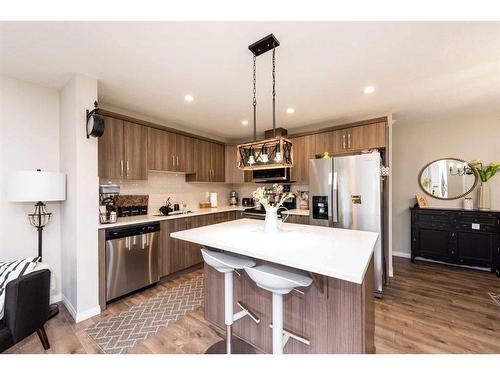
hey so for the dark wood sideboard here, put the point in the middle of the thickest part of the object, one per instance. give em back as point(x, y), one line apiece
point(456, 236)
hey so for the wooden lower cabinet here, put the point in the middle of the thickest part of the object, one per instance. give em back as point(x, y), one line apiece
point(177, 255)
point(335, 315)
point(298, 219)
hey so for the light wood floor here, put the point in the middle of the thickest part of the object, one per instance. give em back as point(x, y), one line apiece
point(427, 308)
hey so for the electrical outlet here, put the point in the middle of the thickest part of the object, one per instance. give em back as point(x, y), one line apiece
point(476, 226)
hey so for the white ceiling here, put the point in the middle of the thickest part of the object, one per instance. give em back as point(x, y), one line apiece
point(420, 69)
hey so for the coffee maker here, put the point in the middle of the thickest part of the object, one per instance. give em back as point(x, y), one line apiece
point(233, 198)
point(107, 202)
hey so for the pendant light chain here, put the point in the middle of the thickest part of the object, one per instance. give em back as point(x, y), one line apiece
point(274, 91)
point(254, 98)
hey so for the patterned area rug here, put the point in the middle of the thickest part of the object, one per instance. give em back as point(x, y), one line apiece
point(118, 334)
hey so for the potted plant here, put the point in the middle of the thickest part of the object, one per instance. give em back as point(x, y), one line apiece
point(485, 172)
point(271, 199)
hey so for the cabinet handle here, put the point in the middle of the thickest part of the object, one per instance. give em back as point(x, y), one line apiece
point(343, 141)
point(121, 168)
point(177, 161)
point(173, 161)
point(127, 167)
point(348, 140)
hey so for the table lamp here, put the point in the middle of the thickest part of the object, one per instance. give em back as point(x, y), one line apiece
point(37, 186)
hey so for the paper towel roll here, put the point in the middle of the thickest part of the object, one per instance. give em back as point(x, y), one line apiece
point(213, 199)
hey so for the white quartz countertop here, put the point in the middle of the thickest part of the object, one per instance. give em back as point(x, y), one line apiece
point(141, 219)
point(339, 253)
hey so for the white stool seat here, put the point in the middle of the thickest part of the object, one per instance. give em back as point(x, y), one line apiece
point(224, 262)
point(278, 279)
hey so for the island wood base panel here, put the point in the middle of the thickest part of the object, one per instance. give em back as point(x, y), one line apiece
point(336, 316)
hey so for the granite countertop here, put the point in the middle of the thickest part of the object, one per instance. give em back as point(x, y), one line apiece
point(340, 253)
point(140, 219)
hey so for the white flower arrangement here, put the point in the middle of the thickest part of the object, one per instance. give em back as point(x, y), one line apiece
point(271, 197)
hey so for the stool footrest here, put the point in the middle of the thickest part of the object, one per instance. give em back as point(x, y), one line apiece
point(245, 311)
point(289, 334)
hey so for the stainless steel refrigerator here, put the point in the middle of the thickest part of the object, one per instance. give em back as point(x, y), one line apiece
point(346, 192)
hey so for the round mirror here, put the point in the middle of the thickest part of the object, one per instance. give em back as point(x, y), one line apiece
point(447, 179)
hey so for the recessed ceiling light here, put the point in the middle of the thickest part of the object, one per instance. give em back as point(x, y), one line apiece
point(369, 89)
point(244, 123)
point(290, 110)
point(188, 98)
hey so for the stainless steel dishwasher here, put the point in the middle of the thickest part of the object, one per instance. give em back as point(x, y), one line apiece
point(131, 258)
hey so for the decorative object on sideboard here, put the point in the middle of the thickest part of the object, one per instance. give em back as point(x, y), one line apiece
point(447, 179)
point(95, 122)
point(272, 199)
point(485, 174)
point(37, 186)
point(421, 201)
point(468, 203)
point(273, 152)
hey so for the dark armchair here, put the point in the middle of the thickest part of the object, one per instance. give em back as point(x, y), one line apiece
point(26, 309)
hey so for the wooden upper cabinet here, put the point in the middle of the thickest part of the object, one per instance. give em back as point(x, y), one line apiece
point(170, 152)
point(362, 137)
point(233, 174)
point(157, 143)
point(135, 151)
point(218, 157)
point(184, 153)
point(368, 136)
point(325, 142)
point(303, 150)
point(123, 150)
point(110, 150)
point(202, 162)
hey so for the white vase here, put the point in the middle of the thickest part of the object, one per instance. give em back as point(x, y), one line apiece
point(484, 196)
point(272, 224)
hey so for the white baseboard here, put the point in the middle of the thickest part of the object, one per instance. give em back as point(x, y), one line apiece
point(80, 316)
point(55, 298)
point(69, 306)
point(89, 313)
point(401, 254)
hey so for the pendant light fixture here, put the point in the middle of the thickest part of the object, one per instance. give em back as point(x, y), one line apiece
point(275, 152)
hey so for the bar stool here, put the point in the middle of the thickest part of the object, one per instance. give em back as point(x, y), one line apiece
point(228, 263)
point(279, 280)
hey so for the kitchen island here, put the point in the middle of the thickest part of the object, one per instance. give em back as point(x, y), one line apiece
point(336, 313)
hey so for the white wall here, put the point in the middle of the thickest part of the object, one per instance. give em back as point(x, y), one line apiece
point(29, 127)
point(80, 211)
point(417, 143)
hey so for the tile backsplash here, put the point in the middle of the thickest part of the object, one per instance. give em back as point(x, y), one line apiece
point(161, 185)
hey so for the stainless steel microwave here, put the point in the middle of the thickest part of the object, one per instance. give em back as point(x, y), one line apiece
point(271, 175)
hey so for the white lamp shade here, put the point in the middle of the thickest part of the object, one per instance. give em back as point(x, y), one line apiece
point(35, 186)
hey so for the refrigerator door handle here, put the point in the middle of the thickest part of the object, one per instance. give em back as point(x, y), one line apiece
point(334, 205)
